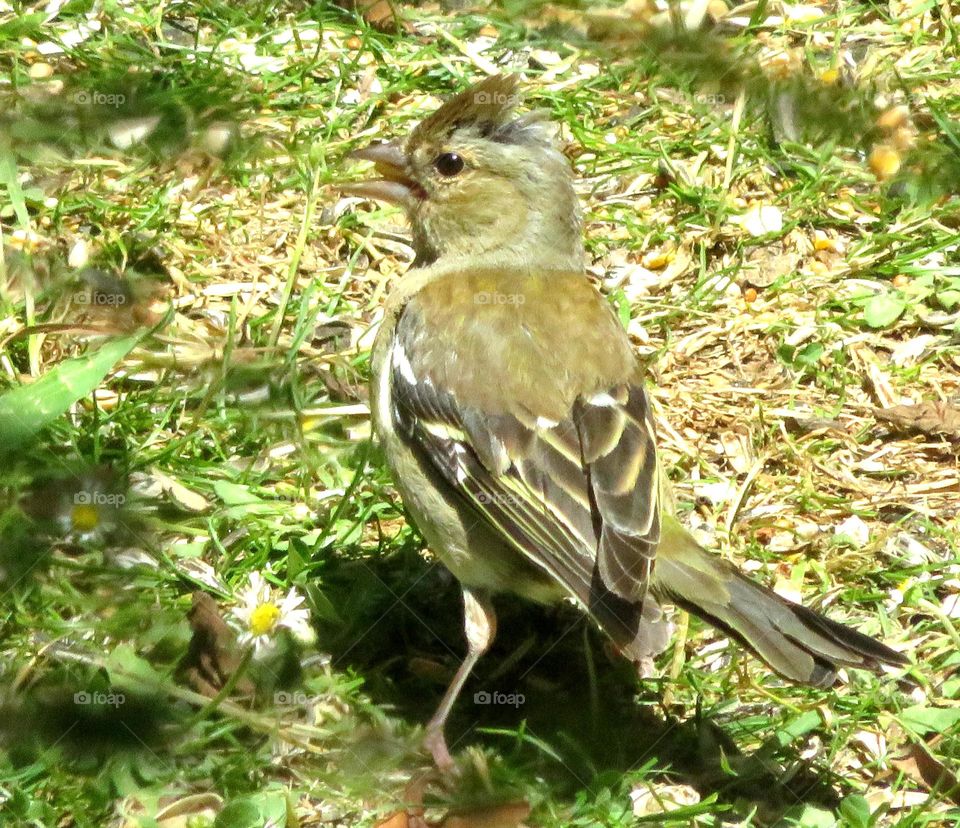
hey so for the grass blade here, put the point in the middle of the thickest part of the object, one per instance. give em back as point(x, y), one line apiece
point(27, 409)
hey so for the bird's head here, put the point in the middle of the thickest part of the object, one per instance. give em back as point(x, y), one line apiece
point(478, 182)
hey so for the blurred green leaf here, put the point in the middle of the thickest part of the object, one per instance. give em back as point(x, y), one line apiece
point(264, 808)
point(27, 409)
point(921, 719)
point(130, 671)
point(855, 811)
point(813, 817)
point(883, 309)
point(241, 813)
point(949, 298)
point(796, 728)
point(810, 354)
point(233, 494)
point(10, 182)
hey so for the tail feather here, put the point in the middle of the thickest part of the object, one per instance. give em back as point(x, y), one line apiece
point(637, 628)
point(800, 644)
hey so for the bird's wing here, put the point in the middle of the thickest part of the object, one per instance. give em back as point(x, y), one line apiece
point(569, 479)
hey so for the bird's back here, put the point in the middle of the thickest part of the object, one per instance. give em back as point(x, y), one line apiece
point(514, 333)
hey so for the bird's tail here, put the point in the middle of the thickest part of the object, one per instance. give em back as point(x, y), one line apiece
point(800, 644)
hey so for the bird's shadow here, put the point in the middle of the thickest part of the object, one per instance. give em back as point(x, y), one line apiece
point(550, 696)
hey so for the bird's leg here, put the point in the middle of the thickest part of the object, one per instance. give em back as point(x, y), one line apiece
point(480, 624)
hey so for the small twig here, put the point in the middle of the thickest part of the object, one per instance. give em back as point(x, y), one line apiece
point(732, 143)
point(742, 491)
point(477, 60)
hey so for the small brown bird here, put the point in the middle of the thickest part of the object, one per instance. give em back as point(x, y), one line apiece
point(512, 412)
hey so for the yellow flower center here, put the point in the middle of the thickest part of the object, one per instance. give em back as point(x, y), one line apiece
point(264, 618)
point(85, 517)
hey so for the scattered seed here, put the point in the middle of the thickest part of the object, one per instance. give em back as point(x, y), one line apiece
point(40, 71)
point(884, 161)
point(893, 118)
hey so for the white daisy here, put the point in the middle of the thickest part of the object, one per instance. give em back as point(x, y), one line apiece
point(262, 612)
point(88, 510)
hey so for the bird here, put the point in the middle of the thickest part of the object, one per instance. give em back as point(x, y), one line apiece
point(513, 415)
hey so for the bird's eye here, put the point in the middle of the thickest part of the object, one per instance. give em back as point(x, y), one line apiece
point(448, 164)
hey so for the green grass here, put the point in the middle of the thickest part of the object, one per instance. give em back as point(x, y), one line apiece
point(236, 435)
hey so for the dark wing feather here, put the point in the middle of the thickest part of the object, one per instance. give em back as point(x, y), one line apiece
point(577, 497)
point(619, 453)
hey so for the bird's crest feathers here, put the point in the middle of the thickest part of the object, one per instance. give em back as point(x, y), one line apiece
point(486, 108)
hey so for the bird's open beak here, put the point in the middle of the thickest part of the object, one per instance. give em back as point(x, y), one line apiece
point(395, 186)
